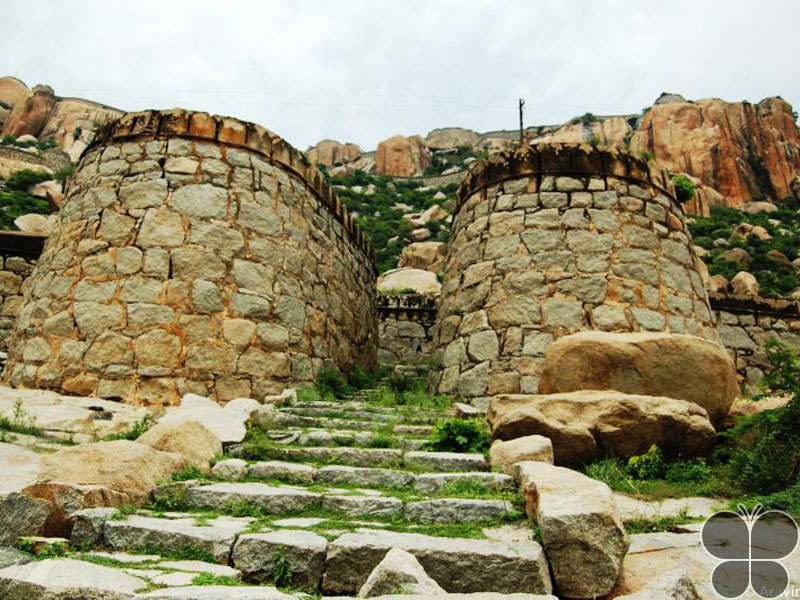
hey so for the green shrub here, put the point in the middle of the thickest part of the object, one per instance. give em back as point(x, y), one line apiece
point(688, 471)
point(647, 466)
point(459, 435)
point(64, 173)
point(328, 381)
point(190, 472)
point(684, 188)
point(763, 451)
point(23, 179)
point(401, 383)
point(136, 430)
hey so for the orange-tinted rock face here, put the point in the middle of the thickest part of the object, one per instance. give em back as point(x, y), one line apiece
point(12, 91)
point(331, 152)
point(72, 122)
point(612, 131)
point(740, 149)
point(401, 156)
point(30, 115)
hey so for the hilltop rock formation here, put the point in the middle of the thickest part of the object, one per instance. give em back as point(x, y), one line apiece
point(448, 138)
point(609, 131)
point(740, 149)
point(331, 152)
point(70, 122)
point(401, 156)
point(30, 115)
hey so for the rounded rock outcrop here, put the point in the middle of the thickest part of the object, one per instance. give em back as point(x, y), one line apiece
point(194, 253)
point(554, 239)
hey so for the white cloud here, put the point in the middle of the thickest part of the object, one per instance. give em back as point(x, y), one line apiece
point(362, 70)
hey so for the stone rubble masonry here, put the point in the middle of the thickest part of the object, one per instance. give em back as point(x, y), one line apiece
point(553, 239)
point(405, 329)
point(194, 253)
point(15, 268)
point(745, 323)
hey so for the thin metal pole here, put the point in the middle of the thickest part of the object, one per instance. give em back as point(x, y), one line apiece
point(521, 104)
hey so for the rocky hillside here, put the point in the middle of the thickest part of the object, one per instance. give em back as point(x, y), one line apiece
point(69, 122)
point(737, 151)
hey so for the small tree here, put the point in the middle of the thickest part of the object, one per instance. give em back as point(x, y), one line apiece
point(684, 188)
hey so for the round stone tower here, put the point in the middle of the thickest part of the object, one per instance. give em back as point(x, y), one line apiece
point(551, 240)
point(194, 253)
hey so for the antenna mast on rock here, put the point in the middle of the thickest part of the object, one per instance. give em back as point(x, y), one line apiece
point(521, 104)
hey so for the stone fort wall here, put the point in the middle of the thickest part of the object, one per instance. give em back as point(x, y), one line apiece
point(194, 253)
point(405, 329)
point(550, 240)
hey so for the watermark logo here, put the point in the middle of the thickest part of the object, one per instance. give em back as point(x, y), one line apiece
point(750, 546)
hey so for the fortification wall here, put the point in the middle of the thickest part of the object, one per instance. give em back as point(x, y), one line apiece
point(405, 329)
point(553, 239)
point(194, 254)
point(745, 323)
point(18, 255)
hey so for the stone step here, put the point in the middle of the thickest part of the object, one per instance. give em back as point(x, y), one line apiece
point(359, 457)
point(419, 417)
point(225, 497)
point(458, 565)
point(362, 406)
point(430, 483)
point(324, 437)
point(459, 510)
point(283, 419)
point(445, 461)
point(365, 477)
point(166, 535)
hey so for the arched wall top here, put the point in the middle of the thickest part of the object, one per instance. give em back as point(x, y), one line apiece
point(164, 124)
point(562, 159)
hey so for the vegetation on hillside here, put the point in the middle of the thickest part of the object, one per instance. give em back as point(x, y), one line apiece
point(776, 276)
point(15, 200)
point(381, 220)
point(442, 160)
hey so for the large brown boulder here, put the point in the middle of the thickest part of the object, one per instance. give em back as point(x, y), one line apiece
point(447, 138)
point(650, 364)
point(190, 439)
point(422, 282)
point(30, 115)
point(331, 152)
point(587, 425)
point(12, 91)
point(122, 466)
point(64, 499)
point(428, 256)
point(401, 156)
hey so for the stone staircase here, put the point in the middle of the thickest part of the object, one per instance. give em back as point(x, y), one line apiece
point(313, 503)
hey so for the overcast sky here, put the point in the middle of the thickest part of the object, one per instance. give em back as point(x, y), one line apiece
point(364, 70)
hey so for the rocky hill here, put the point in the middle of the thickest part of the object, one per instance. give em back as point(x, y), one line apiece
point(737, 151)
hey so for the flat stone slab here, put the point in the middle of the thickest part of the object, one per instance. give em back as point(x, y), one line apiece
point(67, 577)
point(174, 579)
point(457, 510)
point(198, 566)
point(358, 457)
point(218, 592)
point(299, 522)
point(273, 500)
point(53, 413)
point(125, 558)
point(446, 461)
point(19, 467)
point(258, 555)
point(475, 596)
point(338, 474)
point(166, 535)
point(631, 508)
point(12, 556)
point(364, 505)
point(458, 565)
point(429, 483)
point(272, 469)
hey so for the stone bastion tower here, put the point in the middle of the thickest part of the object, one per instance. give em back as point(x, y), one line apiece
point(194, 253)
point(550, 240)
